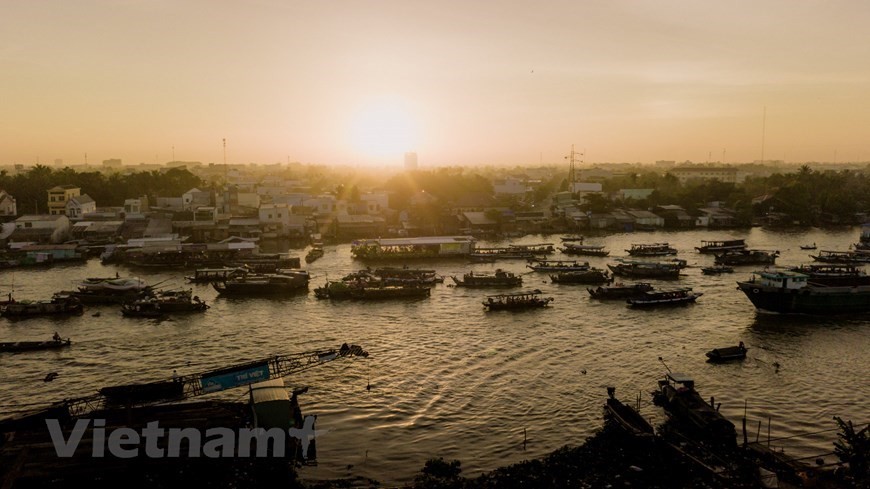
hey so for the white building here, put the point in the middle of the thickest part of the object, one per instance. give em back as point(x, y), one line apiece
point(704, 173)
point(510, 186)
point(582, 189)
point(7, 204)
point(78, 206)
point(41, 228)
point(376, 202)
point(194, 198)
point(326, 205)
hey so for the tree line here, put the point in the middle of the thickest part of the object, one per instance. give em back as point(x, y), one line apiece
point(30, 189)
point(806, 197)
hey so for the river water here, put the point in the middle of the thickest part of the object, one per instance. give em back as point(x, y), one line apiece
point(448, 379)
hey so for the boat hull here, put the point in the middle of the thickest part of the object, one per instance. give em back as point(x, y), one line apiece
point(36, 309)
point(17, 346)
point(649, 303)
point(688, 408)
point(808, 300)
point(727, 354)
point(627, 418)
point(591, 277)
point(617, 292)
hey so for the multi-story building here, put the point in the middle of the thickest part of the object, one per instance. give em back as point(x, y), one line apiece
point(59, 196)
point(410, 161)
point(687, 173)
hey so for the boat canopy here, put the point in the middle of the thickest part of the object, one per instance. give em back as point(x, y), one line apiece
point(681, 378)
point(420, 241)
point(269, 390)
point(272, 406)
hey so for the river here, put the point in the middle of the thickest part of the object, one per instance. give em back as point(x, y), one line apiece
point(448, 379)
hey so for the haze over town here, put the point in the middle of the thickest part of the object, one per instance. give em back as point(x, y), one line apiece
point(459, 83)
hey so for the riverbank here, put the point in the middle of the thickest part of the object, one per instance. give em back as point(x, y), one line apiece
point(608, 459)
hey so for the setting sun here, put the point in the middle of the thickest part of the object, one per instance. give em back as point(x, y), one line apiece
point(383, 128)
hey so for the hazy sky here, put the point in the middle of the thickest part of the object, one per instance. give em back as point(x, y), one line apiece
point(459, 82)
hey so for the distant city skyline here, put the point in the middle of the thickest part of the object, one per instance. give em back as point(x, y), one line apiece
point(458, 83)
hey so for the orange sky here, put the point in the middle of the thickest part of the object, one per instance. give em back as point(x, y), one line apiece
point(459, 82)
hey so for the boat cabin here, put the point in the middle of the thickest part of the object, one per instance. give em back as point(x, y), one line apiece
point(678, 381)
point(782, 279)
point(721, 245)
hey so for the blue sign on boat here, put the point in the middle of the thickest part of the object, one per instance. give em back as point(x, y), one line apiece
point(225, 379)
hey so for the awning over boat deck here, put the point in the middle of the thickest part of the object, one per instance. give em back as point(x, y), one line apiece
point(271, 403)
point(680, 377)
point(269, 390)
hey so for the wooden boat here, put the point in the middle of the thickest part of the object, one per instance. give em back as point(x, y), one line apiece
point(833, 274)
point(808, 247)
point(363, 291)
point(584, 250)
point(256, 284)
point(314, 253)
point(747, 257)
point(619, 291)
point(499, 278)
point(652, 249)
point(523, 300)
point(209, 275)
point(16, 346)
point(721, 246)
point(682, 403)
point(572, 239)
point(828, 256)
point(717, 269)
point(60, 304)
point(168, 302)
point(113, 284)
point(559, 266)
point(663, 270)
point(591, 276)
point(672, 297)
point(409, 276)
point(625, 416)
point(525, 252)
point(727, 353)
point(117, 290)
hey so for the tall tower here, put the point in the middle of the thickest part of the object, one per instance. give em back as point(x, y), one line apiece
point(572, 171)
point(410, 161)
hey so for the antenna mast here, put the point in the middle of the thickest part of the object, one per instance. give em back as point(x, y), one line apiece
point(763, 127)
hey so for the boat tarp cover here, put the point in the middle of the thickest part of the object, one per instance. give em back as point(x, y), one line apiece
point(272, 406)
point(680, 377)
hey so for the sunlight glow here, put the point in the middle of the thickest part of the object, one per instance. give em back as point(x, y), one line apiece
point(383, 128)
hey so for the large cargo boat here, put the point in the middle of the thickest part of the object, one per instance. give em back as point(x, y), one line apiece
point(721, 246)
point(746, 257)
point(413, 248)
point(652, 249)
point(499, 278)
point(787, 292)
